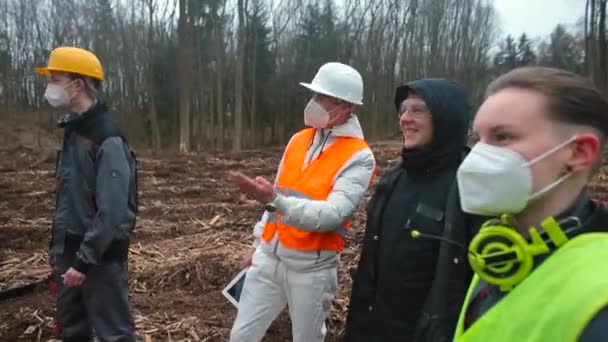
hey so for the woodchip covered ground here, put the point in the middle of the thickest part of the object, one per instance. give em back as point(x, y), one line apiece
point(192, 232)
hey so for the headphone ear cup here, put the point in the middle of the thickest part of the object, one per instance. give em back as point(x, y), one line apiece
point(499, 255)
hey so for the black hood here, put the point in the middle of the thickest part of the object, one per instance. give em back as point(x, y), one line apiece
point(450, 106)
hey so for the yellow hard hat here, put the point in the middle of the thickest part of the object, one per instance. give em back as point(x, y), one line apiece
point(74, 60)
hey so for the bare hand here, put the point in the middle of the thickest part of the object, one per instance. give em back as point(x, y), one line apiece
point(261, 189)
point(72, 278)
point(247, 260)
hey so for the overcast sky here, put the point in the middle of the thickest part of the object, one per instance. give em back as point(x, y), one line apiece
point(537, 17)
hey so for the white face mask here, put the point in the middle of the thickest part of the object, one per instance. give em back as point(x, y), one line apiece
point(316, 116)
point(57, 96)
point(494, 180)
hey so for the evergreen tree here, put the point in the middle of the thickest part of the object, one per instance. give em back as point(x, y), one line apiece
point(525, 52)
point(506, 58)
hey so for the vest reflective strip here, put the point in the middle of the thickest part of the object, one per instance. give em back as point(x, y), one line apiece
point(289, 192)
point(274, 218)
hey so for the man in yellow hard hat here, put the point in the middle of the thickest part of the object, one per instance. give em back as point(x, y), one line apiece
point(96, 203)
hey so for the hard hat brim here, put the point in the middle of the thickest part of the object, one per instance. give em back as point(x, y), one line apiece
point(48, 70)
point(43, 71)
point(320, 90)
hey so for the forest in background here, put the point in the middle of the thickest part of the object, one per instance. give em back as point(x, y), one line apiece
point(194, 75)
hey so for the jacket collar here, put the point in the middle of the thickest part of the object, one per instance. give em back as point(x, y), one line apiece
point(351, 128)
point(71, 118)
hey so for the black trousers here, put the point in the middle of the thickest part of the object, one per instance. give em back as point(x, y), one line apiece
point(101, 303)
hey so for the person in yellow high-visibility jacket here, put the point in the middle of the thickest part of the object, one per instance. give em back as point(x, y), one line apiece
point(541, 133)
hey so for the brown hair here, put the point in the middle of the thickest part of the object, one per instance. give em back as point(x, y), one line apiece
point(571, 98)
point(88, 81)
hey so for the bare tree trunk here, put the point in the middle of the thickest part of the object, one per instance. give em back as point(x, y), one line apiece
point(587, 38)
point(603, 68)
point(211, 131)
point(238, 80)
point(202, 104)
point(184, 66)
point(453, 53)
point(153, 116)
point(219, 80)
point(593, 45)
point(220, 95)
point(253, 127)
point(464, 52)
point(6, 65)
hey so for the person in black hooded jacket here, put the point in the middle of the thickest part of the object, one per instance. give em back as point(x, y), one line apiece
point(408, 289)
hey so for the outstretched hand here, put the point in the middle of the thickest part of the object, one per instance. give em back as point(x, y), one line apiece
point(261, 189)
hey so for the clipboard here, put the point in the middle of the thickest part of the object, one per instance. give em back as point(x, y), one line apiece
point(232, 291)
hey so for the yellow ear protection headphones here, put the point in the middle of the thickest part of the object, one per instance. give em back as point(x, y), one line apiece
point(500, 255)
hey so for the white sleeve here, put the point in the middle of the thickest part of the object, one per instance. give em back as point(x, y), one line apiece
point(350, 185)
point(259, 226)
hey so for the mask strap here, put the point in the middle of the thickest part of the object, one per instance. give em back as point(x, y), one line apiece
point(69, 84)
point(549, 187)
point(551, 151)
point(330, 124)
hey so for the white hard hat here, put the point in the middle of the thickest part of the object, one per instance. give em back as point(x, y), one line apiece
point(338, 80)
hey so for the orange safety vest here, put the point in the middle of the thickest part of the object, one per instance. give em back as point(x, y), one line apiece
point(313, 182)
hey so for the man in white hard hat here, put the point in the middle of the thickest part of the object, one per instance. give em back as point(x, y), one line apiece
point(324, 172)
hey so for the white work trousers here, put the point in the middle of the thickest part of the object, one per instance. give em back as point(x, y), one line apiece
point(269, 286)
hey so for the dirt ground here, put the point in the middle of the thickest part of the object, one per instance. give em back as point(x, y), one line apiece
point(192, 231)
